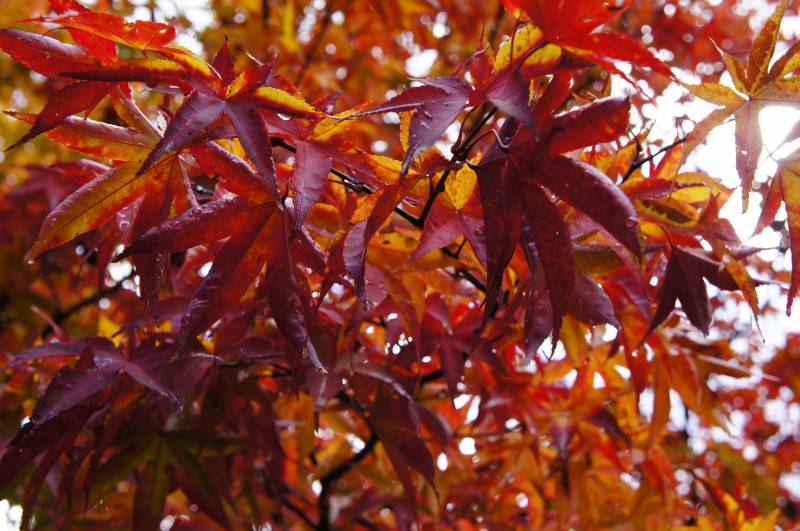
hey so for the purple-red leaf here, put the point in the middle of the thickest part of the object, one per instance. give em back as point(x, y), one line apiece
point(590, 191)
point(358, 237)
point(235, 174)
point(72, 99)
point(501, 221)
point(284, 299)
point(546, 227)
point(396, 423)
point(254, 137)
point(308, 181)
point(510, 93)
point(223, 63)
point(35, 437)
point(538, 322)
point(69, 388)
point(437, 103)
point(238, 262)
point(683, 280)
point(595, 123)
point(208, 223)
point(590, 303)
point(43, 54)
point(198, 111)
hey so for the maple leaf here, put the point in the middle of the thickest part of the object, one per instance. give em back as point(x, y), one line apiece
point(683, 280)
point(72, 99)
point(75, 384)
point(785, 187)
point(756, 85)
point(561, 30)
point(241, 101)
point(43, 54)
point(439, 100)
point(254, 233)
point(396, 424)
point(339, 311)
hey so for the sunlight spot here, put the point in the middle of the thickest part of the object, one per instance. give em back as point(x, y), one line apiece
point(522, 500)
point(419, 65)
point(473, 411)
point(204, 270)
point(569, 378)
point(324, 433)
point(355, 442)
point(646, 404)
point(166, 523)
point(461, 401)
point(610, 332)
point(10, 516)
point(791, 482)
point(630, 480)
point(441, 462)
point(467, 446)
point(120, 270)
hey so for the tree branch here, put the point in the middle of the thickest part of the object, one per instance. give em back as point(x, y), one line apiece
point(459, 155)
point(312, 48)
point(62, 315)
point(641, 162)
point(331, 477)
point(352, 183)
point(328, 481)
point(289, 504)
point(265, 13)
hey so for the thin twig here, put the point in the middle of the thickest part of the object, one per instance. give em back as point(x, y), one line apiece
point(328, 481)
point(331, 477)
point(459, 155)
point(641, 162)
point(498, 18)
point(312, 48)
point(265, 13)
point(352, 183)
point(289, 504)
point(62, 315)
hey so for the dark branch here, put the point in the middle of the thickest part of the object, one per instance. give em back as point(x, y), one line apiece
point(641, 162)
point(62, 315)
point(289, 504)
point(265, 13)
point(328, 481)
point(352, 183)
point(459, 155)
point(312, 48)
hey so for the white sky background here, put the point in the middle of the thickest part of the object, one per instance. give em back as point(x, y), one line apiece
point(716, 157)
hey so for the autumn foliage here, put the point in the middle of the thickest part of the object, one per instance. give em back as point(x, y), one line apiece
point(280, 284)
